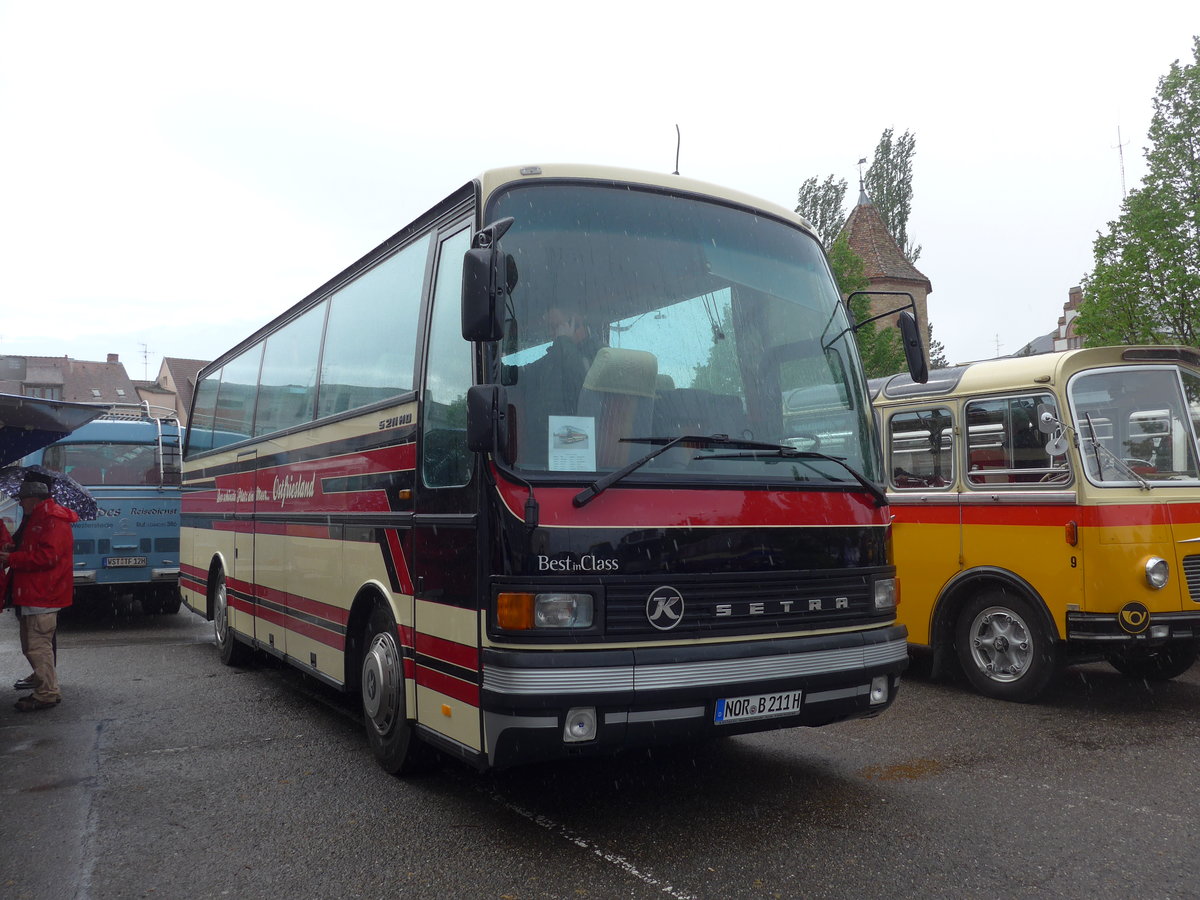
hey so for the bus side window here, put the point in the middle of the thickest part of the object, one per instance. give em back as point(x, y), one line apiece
point(1004, 446)
point(921, 449)
point(445, 461)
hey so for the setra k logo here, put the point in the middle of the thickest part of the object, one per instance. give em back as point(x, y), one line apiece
point(664, 607)
point(1134, 618)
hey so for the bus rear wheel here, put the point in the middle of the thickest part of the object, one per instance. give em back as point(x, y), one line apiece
point(1159, 664)
point(232, 651)
point(1005, 649)
point(381, 686)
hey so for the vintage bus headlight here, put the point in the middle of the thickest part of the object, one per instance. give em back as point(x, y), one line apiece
point(886, 590)
point(527, 611)
point(1157, 572)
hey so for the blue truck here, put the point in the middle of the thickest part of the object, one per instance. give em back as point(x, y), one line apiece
point(128, 459)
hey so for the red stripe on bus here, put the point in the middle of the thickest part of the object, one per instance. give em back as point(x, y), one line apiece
point(319, 608)
point(1009, 514)
point(448, 651)
point(315, 632)
point(401, 564)
point(448, 685)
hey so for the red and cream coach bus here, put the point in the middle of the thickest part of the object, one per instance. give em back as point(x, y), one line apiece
point(528, 478)
point(1048, 511)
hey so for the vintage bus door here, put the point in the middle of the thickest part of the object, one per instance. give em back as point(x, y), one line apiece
point(242, 587)
point(446, 614)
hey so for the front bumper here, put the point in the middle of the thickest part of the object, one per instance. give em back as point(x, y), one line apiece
point(653, 695)
point(1105, 628)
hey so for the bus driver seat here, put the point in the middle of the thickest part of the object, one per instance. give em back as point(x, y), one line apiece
point(618, 393)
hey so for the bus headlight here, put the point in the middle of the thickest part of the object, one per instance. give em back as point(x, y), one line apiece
point(1158, 572)
point(527, 611)
point(886, 590)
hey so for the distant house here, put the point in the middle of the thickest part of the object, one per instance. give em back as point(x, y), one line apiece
point(885, 266)
point(63, 378)
point(174, 386)
point(1064, 336)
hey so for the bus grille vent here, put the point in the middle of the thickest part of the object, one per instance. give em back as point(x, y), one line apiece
point(1191, 571)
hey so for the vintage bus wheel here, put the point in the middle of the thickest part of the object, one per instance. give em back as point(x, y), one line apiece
point(1160, 664)
point(232, 651)
point(381, 686)
point(1004, 648)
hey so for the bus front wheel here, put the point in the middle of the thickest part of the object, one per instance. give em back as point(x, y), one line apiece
point(381, 686)
point(1005, 649)
point(232, 651)
point(1160, 664)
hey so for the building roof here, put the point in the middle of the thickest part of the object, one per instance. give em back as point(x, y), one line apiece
point(184, 371)
point(881, 255)
point(78, 380)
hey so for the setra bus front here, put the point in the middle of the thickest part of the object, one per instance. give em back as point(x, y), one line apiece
point(668, 551)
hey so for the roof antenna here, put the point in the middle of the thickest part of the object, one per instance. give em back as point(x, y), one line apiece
point(678, 141)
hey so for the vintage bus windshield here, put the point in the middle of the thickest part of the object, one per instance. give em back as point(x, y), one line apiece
point(1137, 425)
point(638, 314)
point(112, 463)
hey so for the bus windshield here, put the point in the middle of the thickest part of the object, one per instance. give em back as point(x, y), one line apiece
point(1135, 425)
point(641, 315)
point(112, 463)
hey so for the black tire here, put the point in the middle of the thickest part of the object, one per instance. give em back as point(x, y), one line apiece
point(1161, 663)
point(391, 735)
point(1004, 646)
point(232, 651)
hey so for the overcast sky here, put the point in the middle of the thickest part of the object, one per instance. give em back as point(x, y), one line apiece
point(172, 176)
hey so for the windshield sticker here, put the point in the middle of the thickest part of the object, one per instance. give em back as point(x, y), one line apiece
point(572, 443)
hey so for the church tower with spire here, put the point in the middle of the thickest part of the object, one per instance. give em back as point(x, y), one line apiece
point(884, 264)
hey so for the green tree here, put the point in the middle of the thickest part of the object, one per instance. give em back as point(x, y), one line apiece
point(937, 353)
point(888, 183)
point(1145, 287)
point(823, 204)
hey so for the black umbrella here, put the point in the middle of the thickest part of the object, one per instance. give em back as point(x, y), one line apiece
point(64, 489)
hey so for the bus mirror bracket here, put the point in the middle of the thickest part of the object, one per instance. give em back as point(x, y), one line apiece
point(487, 427)
point(906, 322)
point(1047, 421)
point(489, 275)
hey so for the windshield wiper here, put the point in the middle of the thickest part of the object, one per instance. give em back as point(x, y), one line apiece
point(781, 452)
point(698, 441)
point(1098, 448)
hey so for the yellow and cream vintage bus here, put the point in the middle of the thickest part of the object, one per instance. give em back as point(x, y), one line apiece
point(525, 479)
point(1047, 511)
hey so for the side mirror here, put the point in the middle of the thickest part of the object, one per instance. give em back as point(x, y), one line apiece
point(487, 426)
point(914, 355)
point(1047, 421)
point(489, 274)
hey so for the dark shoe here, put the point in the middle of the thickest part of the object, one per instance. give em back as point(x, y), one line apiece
point(28, 683)
point(32, 704)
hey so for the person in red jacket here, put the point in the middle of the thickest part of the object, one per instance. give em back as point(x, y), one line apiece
point(41, 576)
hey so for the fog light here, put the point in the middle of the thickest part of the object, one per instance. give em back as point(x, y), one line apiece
point(879, 690)
point(581, 725)
point(1157, 572)
point(1160, 631)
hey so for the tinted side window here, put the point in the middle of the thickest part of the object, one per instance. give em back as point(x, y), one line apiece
point(235, 400)
point(287, 388)
point(371, 339)
point(445, 459)
point(204, 408)
point(921, 449)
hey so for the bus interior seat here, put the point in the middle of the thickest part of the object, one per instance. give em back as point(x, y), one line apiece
point(618, 393)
